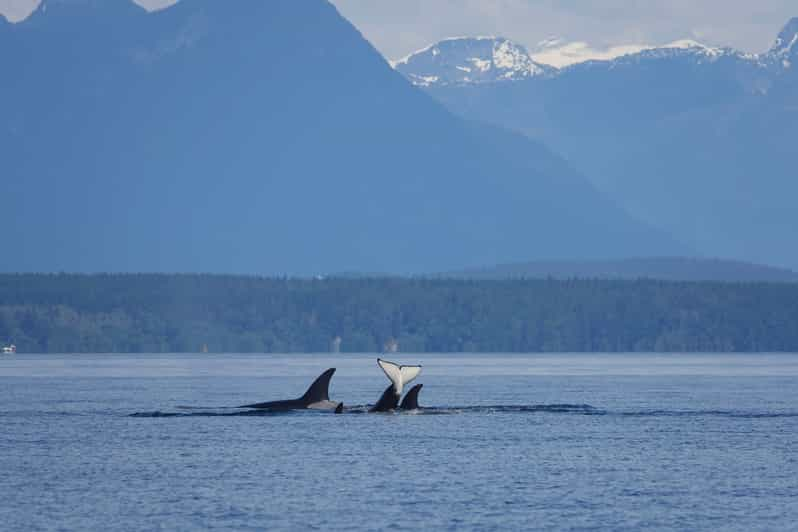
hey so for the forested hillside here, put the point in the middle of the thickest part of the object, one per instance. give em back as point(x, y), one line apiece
point(174, 313)
point(663, 268)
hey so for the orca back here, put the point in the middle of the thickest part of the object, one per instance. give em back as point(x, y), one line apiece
point(410, 402)
point(388, 400)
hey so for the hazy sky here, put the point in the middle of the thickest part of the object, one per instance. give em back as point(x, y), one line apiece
point(15, 10)
point(398, 27)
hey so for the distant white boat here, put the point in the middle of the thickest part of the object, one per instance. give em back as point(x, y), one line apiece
point(9, 349)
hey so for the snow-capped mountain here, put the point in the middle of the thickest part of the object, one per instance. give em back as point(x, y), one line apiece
point(561, 54)
point(469, 60)
point(689, 48)
point(687, 52)
point(784, 52)
point(694, 139)
point(474, 60)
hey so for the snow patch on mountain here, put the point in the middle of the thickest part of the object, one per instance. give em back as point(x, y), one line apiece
point(689, 44)
point(696, 51)
point(559, 53)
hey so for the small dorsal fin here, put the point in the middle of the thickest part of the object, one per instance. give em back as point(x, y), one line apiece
point(410, 402)
point(320, 389)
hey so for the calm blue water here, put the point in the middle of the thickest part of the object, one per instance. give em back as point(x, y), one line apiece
point(613, 442)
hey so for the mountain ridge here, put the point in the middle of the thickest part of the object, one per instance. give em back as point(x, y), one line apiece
point(420, 70)
point(696, 143)
point(191, 139)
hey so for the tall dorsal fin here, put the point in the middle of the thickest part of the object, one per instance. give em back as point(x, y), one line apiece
point(398, 375)
point(410, 402)
point(320, 389)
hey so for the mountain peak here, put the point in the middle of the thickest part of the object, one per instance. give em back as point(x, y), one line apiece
point(470, 60)
point(786, 46)
point(65, 13)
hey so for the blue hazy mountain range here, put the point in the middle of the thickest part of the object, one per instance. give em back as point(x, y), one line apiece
point(270, 138)
point(695, 140)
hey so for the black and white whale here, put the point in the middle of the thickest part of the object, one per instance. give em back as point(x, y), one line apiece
point(410, 402)
point(390, 401)
point(399, 377)
point(316, 398)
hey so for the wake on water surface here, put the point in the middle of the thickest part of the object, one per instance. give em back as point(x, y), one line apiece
point(365, 409)
point(571, 409)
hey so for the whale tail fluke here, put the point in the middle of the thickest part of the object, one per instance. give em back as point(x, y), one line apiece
point(399, 375)
point(410, 402)
point(320, 389)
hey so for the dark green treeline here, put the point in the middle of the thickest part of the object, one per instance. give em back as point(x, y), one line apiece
point(185, 313)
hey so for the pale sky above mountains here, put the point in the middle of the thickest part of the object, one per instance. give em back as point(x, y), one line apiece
point(399, 27)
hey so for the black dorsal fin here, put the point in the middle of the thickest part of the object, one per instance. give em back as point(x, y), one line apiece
point(388, 400)
point(410, 402)
point(320, 389)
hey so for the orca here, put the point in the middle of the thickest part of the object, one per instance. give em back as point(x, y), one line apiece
point(399, 376)
point(388, 400)
point(316, 398)
point(410, 402)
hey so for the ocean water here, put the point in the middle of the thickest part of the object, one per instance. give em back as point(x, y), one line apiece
point(603, 442)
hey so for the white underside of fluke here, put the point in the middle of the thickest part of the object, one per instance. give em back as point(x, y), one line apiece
point(399, 375)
